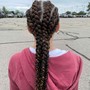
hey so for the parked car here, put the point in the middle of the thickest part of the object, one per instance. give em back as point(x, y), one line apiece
point(2, 15)
point(10, 15)
point(88, 15)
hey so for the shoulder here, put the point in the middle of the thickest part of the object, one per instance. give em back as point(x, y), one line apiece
point(76, 56)
point(74, 63)
point(14, 64)
point(77, 59)
point(78, 63)
point(15, 58)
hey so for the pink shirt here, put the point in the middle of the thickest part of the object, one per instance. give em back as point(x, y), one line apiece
point(63, 72)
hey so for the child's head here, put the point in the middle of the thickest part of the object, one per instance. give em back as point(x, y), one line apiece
point(42, 17)
point(42, 22)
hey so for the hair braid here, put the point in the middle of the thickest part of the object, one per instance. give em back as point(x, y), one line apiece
point(42, 25)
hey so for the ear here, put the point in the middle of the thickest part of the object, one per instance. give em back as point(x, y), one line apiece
point(58, 27)
point(28, 28)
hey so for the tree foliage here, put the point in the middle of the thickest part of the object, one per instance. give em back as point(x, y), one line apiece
point(4, 10)
point(74, 13)
point(81, 13)
point(68, 12)
point(88, 7)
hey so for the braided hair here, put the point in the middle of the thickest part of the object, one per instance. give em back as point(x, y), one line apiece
point(42, 19)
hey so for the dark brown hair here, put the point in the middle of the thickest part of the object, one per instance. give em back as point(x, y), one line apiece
point(42, 19)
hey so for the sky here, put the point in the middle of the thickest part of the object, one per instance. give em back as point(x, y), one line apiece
point(63, 5)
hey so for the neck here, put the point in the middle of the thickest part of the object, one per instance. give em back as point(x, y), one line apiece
point(52, 46)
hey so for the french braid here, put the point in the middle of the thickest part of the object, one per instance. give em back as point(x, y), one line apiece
point(42, 19)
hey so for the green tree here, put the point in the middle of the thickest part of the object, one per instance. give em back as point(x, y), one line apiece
point(81, 13)
point(17, 12)
point(4, 10)
point(68, 12)
point(88, 7)
point(22, 13)
point(0, 10)
point(74, 13)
